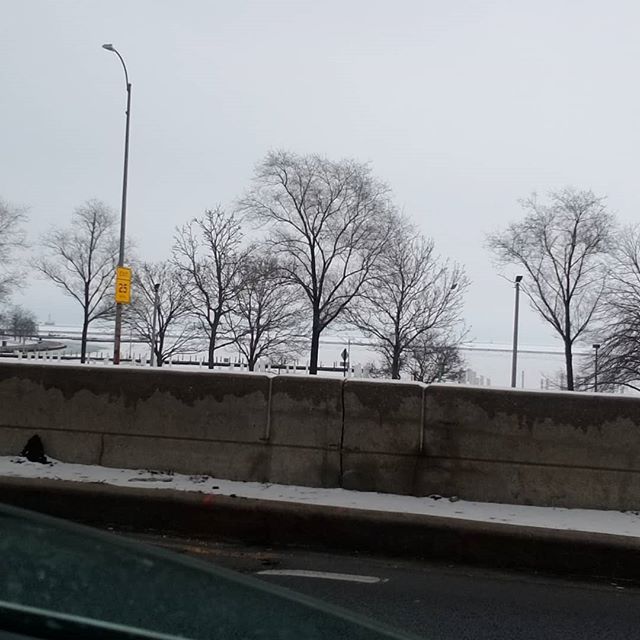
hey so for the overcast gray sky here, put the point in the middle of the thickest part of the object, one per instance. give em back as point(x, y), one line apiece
point(462, 107)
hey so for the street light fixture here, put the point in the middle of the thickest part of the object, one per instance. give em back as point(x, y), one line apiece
point(595, 368)
point(123, 210)
point(514, 355)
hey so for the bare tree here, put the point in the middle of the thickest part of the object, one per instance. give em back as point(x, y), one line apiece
point(412, 293)
point(327, 226)
point(617, 329)
point(174, 334)
point(19, 323)
point(208, 254)
point(81, 261)
point(437, 358)
point(563, 248)
point(12, 239)
point(266, 320)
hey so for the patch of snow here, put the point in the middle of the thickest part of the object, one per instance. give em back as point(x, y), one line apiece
point(625, 523)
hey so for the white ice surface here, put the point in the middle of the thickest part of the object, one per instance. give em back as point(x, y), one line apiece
point(613, 522)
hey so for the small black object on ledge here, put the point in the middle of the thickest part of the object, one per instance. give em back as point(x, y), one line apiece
point(34, 450)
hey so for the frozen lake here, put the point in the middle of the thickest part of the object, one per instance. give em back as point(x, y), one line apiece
point(539, 366)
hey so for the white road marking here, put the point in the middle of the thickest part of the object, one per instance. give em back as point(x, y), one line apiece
point(323, 575)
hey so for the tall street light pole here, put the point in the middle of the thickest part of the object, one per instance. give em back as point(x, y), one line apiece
point(156, 304)
point(123, 211)
point(514, 355)
point(595, 368)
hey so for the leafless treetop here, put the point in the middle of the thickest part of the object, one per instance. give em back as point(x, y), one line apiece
point(12, 238)
point(81, 259)
point(562, 247)
point(412, 293)
point(208, 252)
point(326, 219)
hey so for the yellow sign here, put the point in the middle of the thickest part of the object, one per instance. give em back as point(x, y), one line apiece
point(123, 273)
point(123, 285)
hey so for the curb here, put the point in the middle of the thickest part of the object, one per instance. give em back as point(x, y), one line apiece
point(268, 522)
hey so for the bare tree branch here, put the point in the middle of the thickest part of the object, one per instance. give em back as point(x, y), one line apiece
point(617, 322)
point(12, 241)
point(175, 334)
point(208, 255)
point(266, 320)
point(436, 357)
point(19, 323)
point(411, 293)
point(563, 247)
point(81, 261)
point(327, 223)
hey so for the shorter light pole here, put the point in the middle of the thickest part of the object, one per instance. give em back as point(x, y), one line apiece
point(595, 368)
point(514, 355)
point(156, 303)
point(345, 362)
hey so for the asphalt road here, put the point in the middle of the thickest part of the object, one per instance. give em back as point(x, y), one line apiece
point(438, 601)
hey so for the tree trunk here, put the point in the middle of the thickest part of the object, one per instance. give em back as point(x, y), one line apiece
point(315, 344)
point(568, 356)
point(159, 350)
point(85, 324)
point(251, 353)
point(252, 358)
point(212, 348)
point(395, 364)
point(83, 339)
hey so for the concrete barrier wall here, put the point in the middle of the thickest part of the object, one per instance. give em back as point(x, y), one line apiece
point(562, 449)
point(200, 423)
point(384, 424)
point(305, 431)
point(481, 444)
point(122, 418)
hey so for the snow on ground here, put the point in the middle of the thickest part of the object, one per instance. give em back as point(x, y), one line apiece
point(614, 522)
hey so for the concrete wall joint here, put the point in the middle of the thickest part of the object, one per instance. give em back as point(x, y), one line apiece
point(342, 427)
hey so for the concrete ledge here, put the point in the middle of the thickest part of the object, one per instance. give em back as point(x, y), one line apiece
point(363, 471)
point(303, 466)
point(531, 484)
point(82, 447)
point(281, 523)
point(232, 460)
